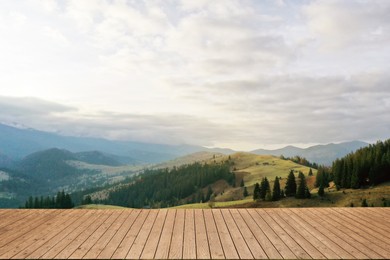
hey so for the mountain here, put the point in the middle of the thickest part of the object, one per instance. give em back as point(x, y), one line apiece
point(49, 165)
point(18, 143)
point(321, 154)
point(46, 172)
point(98, 158)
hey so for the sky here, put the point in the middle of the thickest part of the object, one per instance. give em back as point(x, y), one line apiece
point(239, 74)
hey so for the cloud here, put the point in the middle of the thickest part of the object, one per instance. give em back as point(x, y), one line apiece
point(240, 73)
point(339, 24)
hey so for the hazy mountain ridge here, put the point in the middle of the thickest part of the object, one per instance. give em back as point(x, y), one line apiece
point(321, 154)
point(17, 143)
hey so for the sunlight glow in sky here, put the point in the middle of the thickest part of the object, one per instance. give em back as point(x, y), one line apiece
point(234, 73)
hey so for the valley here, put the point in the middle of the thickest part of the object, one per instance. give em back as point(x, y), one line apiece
point(100, 174)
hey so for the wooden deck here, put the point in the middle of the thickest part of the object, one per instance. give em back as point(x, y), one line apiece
point(333, 233)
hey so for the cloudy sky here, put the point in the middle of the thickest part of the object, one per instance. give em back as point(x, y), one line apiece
point(239, 74)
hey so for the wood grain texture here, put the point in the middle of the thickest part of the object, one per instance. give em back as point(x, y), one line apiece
point(311, 233)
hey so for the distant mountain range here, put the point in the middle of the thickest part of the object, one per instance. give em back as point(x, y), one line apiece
point(321, 154)
point(16, 143)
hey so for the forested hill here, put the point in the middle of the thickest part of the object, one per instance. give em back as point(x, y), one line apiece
point(366, 166)
point(163, 187)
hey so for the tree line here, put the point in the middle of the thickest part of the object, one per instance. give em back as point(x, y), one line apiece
point(366, 166)
point(61, 201)
point(164, 187)
point(300, 160)
point(292, 189)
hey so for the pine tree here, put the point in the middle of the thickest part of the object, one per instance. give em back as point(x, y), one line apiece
point(264, 186)
point(321, 191)
point(246, 194)
point(256, 192)
point(268, 196)
point(364, 203)
point(291, 186)
point(310, 172)
point(276, 190)
point(307, 193)
point(301, 187)
point(242, 183)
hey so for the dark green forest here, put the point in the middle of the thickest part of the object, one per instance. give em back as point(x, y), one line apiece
point(61, 201)
point(367, 166)
point(164, 187)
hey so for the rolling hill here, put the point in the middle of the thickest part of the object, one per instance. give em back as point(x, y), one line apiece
point(246, 166)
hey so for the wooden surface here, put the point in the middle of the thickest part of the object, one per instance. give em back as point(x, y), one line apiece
point(308, 233)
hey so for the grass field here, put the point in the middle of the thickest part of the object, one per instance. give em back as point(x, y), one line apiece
point(221, 204)
point(100, 206)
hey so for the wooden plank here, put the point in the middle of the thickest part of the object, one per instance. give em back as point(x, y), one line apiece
point(154, 237)
point(306, 240)
point(366, 218)
point(242, 248)
point(289, 242)
point(382, 211)
point(224, 235)
point(27, 224)
point(347, 227)
point(83, 249)
point(338, 245)
point(139, 243)
point(277, 242)
point(26, 230)
point(128, 240)
point(375, 213)
point(52, 242)
point(9, 217)
point(216, 250)
point(347, 233)
point(369, 232)
point(189, 242)
point(64, 242)
point(251, 241)
point(299, 226)
point(69, 238)
point(335, 244)
point(162, 251)
point(260, 236)
point(109, 250)
point(202, 244)
point(176, 248)
point(349, 238)
point(84, 235)
point(99, 246)
point(44, 234)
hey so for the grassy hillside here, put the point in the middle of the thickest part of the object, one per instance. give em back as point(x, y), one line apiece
point(99, 206)
point(250, 167)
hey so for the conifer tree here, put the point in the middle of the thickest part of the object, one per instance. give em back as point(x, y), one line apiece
point(256, 192)
point(364, 203)
point(242, 183)
point(310, 172)
point(268, 195)
point(291, 186)
point(307, 193)
point(301, 186)
point(264, 186)
point(246, 194)
point(276, 190)
point(321, 191)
